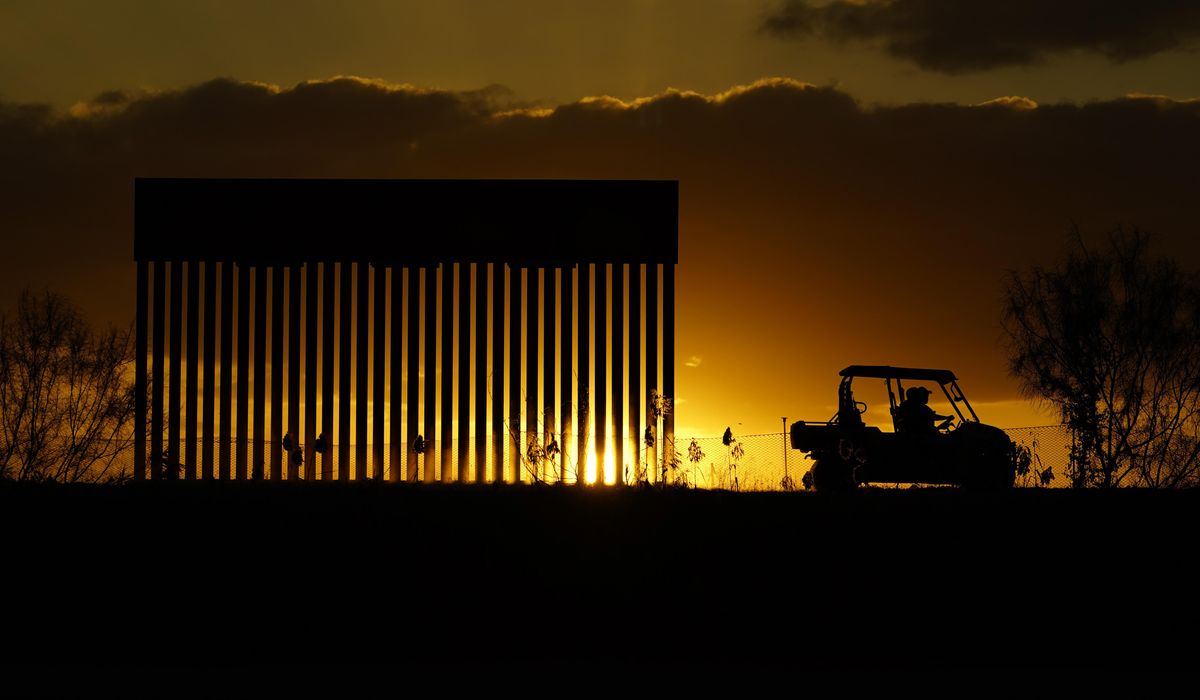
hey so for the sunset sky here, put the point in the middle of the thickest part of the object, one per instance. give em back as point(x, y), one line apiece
point(855, 177)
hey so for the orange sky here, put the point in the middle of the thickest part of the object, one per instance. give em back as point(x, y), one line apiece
point(818, 227)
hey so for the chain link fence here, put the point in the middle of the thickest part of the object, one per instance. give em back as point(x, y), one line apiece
point(1043, 455)
point(765, 462)
point(66, 460)
point(762, 462)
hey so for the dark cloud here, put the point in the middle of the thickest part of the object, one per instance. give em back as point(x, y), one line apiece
point(815, 232)
point(961, 36)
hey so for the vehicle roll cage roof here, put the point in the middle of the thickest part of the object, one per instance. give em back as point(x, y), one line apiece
point(941, 376)
point(945, 379)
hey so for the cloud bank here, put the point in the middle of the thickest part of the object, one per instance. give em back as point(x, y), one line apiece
point(963, 36)
point(816, 232)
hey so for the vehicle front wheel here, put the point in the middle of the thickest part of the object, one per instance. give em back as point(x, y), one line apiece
point(832, 475)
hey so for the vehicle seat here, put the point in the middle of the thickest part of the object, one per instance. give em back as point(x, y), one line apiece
point(851, 418)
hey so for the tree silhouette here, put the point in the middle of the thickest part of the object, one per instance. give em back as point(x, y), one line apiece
point(66, 393)
point(1112, 339)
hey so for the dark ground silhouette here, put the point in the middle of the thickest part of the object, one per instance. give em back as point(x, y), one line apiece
point(524, 576)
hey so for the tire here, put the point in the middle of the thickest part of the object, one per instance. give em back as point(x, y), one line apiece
point(991, 475)
point(831, 475)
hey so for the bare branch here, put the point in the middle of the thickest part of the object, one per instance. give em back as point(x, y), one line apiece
point(66, 393)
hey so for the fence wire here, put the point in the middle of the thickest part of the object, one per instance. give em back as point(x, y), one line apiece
point(765, 462)
point(1043, 455)
point(762, 462)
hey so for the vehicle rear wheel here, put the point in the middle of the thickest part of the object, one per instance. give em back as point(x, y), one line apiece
point(991, 475)
point(833, 475)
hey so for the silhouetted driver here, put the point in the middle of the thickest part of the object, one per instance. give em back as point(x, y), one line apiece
point(914, 415)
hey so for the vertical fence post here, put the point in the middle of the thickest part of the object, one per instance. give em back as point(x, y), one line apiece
point(345, 361)
point(635, 368)
point(311, 301)
point(601, 370)
point(652, 384)
point(192, 385)
point(362, 372)
point(531, 364)
point(277, 373)
point(618, 371)
point(497, 378)
point(567, 366)
point(328, 348)
point(142, 321)
point(480, 376)
point(429, 462)
point(293, 347)
point(549, 302)
point(208, 423)
point(413, 393)
point(464, 370)
point(174, 412)
point(584, 402)
point(378, 370)
point(260, 373)
point(447, 398)
point(397, 455)
point(225, 433)
point(514, 372)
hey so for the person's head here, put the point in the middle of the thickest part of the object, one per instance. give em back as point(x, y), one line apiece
point(918, 393)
